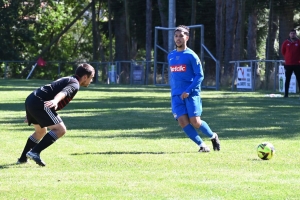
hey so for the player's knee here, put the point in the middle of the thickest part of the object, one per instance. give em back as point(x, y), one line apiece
point(39, 132)
point(196, 124)
point(63, 130)
point(59, 130)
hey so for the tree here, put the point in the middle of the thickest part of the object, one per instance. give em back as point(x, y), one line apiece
point(95, 30)
point(252, 34)
point(220, 30)
point(231, 19)
point(239, 38)
point(15, 20)
point(163, 11)
point(55, 39)
point(286, 18)
point(193, 22)
point(148, 35)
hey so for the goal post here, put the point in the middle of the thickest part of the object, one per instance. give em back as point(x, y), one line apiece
point(161, 69)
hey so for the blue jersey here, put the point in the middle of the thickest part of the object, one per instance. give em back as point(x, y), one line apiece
point(186, 72)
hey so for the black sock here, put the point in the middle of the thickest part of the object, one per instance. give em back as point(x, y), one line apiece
point(31, 142)
point(48, 139)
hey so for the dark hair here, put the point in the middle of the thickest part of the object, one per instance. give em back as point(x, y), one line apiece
point(84, 69)
point(293, 30)
point(184, 29)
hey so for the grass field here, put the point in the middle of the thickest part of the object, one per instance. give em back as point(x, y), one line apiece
point(123, 143)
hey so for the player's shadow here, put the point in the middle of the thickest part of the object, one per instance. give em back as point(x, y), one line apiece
point(123, 152)
point(256, 160)
point(5, 166)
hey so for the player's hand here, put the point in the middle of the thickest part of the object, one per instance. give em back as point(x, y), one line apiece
point(26, 120)
point(184, 95)
point(51, 104)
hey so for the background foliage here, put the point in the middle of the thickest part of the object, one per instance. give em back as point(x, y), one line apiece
point(116, 31)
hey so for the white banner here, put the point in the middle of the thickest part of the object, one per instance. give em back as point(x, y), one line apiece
point(244, 77)
point(112, 74)
point(281, 78)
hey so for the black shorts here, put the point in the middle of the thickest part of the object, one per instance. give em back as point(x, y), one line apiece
point(38, 113)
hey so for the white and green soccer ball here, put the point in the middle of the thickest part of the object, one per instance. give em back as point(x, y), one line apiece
point(265, 151)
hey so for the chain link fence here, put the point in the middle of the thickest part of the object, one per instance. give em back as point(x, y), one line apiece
point(119, 72)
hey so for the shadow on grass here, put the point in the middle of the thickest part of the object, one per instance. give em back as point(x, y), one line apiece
point(5, 166)
point(232, 115)
point(121, 152)
point(233, 119)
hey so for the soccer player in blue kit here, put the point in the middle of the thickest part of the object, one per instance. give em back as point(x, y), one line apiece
point(186, 77)
point(41, 106)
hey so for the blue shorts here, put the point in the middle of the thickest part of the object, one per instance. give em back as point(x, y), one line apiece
point(192, 106)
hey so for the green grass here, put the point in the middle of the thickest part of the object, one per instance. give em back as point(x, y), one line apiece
point(123, 143)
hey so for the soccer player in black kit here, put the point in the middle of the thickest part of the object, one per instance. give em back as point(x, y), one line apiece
point(41, 106)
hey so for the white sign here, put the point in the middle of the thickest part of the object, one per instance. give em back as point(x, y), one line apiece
point(281, 78)
point(112, 74)
point(244, 77)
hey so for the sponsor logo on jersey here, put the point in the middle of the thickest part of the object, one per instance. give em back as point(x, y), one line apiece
point(178, 68)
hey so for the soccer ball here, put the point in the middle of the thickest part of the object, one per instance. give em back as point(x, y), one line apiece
point(265, 151)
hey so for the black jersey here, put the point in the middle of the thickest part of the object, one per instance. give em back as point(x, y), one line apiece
point(68, 85)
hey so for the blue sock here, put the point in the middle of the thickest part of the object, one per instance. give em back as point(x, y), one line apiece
point(205, 129)
point(192, 134)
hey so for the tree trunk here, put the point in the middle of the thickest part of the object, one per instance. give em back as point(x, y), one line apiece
point(122, 50)
point(252, 34)
point(193, 22)
point(239, 39)
point(270, 45)
point(164, 22)
point(94, 31)
point(286, 22)
point(220, 31)
point(128, 38)
point(148, 37)
point(109, 31)
point(273, 36)
point(121, 53)
point(231, 20)
point(100, 43)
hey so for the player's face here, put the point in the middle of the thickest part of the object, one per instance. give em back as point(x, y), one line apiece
point(180, 39)
point(293, 34)
point(87, 80)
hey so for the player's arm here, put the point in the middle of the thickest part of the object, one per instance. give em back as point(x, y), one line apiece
point(54, 102)
point(199, 76)
point(283, 49)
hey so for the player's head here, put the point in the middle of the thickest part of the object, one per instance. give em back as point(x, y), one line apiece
point(86, 74)
point(184, 29)
point(293, 34)
point(181, 36)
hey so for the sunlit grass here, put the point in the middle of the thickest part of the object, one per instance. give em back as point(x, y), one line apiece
point(123, 143)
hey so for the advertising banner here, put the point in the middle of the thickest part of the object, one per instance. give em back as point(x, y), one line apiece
point(112, 74)
point(281, 78)
point(244, 77)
